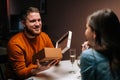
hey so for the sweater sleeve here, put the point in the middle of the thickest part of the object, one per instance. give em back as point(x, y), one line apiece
point(94, 66)
point(20, 52)
point(17, 61)
point(87, 65)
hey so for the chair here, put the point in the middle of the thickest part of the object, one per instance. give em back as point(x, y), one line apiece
point(3, 60)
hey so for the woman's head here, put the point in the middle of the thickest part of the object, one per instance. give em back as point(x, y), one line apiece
point(103, 29)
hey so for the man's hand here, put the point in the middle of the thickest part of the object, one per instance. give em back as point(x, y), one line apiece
point(44, 67)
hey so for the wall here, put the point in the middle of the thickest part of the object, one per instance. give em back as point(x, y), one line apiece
point(17, 5)
point(3, 23)
point(64, 15)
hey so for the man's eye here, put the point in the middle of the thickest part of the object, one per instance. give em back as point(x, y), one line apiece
point(35, 20)
point(39, 19)
point(32, 20)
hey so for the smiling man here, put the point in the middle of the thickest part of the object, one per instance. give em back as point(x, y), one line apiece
point(23, 45)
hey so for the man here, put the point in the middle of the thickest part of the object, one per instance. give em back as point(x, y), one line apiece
point(25, 44)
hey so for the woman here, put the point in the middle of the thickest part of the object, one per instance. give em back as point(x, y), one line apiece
point(102, 60)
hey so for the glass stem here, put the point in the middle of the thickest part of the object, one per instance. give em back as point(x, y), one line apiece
point(72, 67)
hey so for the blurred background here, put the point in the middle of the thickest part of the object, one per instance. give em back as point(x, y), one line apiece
point(58, 17)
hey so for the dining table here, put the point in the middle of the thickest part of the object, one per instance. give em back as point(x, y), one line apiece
point(60, 72)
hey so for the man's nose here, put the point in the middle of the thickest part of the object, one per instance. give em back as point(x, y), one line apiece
point(37, 23)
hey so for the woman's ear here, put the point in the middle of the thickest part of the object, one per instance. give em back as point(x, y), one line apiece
point(94, 35)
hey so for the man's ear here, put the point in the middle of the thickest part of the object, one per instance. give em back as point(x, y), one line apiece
point(23, 23)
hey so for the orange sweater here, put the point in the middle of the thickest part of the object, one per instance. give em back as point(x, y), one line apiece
point(20, 52)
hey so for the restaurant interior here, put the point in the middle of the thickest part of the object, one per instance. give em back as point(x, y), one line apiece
point(58, 17)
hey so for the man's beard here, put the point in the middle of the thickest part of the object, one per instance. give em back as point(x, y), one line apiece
point(30, 32)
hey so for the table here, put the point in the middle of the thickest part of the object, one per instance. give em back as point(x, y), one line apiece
point(61, 72)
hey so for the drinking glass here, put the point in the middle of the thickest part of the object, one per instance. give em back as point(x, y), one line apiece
point(78, 64)
point(72, 53)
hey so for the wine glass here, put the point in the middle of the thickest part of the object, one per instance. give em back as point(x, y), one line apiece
point(78, 64)
point(78, 61)
point(72, 58)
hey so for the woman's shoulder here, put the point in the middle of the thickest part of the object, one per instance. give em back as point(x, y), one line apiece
point(87, 53)
point(93, 54)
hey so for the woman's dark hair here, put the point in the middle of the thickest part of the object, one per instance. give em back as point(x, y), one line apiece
point(106, 26)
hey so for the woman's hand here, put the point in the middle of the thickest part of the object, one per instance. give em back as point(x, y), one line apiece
point(85, 45)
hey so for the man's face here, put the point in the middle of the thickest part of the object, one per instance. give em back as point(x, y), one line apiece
point(33, 24)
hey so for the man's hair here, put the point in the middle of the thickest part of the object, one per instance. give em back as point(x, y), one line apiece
point(25, 12)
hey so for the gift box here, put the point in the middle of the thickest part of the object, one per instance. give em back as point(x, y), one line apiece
point(48, 54)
